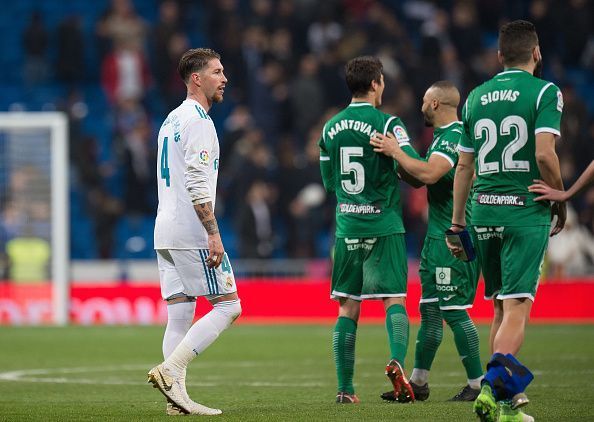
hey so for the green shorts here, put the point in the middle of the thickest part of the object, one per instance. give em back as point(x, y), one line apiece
point(511, 259)
point(371, 268)
point(445, 279)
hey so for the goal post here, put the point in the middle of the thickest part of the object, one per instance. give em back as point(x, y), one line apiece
point(27, 138)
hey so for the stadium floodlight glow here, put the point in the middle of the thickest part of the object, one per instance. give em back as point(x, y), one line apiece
point(18, 125)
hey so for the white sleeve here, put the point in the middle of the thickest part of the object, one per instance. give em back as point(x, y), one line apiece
point(197, 145)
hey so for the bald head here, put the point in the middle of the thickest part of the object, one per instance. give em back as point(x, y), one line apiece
point(440, 103)
point(446, 93)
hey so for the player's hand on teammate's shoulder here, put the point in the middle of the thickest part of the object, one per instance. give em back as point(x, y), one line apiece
point(385, 144)
point(216, 251)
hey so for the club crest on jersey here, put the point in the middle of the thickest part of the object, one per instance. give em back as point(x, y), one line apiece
point(203, 157)
point(229, 282)
point(400, 134)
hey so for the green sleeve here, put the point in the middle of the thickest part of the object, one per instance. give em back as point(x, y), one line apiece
point(549, 107)
point(326, 166)
point(466, 144)
point(447, 146)
point(410, 151)
point(396, 126)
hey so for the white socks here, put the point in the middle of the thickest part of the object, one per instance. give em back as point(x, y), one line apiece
point(475, 383)
point(201, 335)
point(419, 376)
point(179, 321)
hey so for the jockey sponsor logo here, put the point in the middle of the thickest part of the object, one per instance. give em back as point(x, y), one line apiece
point(443, 280)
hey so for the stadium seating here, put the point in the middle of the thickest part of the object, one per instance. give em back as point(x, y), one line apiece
point(14, 19)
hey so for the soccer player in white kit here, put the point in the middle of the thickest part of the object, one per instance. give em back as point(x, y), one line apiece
point(192, 260)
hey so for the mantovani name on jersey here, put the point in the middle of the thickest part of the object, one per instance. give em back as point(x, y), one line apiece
point(357, 125)
point(499, 95)
point(497, 199)
point(359, 209)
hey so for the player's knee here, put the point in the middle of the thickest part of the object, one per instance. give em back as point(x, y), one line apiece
point(180, 298)
point(231, 309)
point(497, 313)
point(455, 316)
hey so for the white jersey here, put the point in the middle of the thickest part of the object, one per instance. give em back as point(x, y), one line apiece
point(187, 171)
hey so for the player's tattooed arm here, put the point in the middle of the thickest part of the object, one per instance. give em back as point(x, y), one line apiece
point(216, 251)
point(206, 215)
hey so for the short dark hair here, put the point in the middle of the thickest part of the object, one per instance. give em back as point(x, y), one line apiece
point(194, 60)
point(444, 84)
point(449, 93)
point(517, 40)
point(360, 72)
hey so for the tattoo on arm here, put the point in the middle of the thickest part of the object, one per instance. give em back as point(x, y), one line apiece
point(207, 218)
point(211, 226)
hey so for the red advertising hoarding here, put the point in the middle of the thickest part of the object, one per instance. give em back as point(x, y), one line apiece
point(263, 301)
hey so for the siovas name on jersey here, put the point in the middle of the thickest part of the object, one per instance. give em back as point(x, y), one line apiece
point(499, 95)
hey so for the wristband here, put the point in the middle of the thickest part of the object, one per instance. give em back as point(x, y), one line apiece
point(462, 239)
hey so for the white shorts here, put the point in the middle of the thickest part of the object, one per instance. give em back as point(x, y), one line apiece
point(184, 271)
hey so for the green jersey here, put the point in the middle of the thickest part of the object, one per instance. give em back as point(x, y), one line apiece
point(440, 195)
point(365, 182)
point(501, 119)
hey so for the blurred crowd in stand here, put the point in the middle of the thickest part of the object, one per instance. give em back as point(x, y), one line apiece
point(284, 61)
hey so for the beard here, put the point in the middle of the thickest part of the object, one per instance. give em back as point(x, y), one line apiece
point(538, 69)
point(217, 96)
point(427, 120)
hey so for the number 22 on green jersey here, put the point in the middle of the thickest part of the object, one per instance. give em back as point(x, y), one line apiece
point(487, 130)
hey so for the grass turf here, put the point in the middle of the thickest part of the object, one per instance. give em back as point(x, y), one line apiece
point(259, 372)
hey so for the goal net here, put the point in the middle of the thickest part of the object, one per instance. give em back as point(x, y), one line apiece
point(34, 234)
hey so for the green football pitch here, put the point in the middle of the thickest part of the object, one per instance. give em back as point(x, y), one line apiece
point(267, 373)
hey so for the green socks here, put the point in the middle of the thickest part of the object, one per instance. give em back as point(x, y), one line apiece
point(397, 327)
point(343, 345)
point(467, 341)
point(429, 336)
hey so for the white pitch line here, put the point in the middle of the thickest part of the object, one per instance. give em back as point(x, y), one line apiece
point(32, 375)
point(37, 376)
